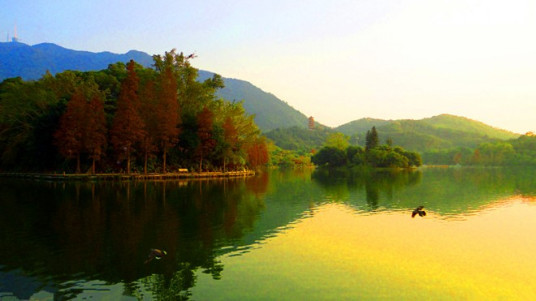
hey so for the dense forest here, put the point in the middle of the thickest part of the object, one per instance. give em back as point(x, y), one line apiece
point(338, 152)
point(126, 118)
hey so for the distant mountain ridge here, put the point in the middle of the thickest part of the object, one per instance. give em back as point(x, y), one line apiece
point(444, 131)
point(437, 132)
point(32, 62)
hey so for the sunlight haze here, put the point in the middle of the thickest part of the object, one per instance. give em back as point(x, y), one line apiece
point(335, 60)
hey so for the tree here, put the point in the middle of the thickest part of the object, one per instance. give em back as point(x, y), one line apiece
point(204, 132)
point(337, 140)
point(148, 104)
point(167, 109)
point(247, 131)
point(476, 156)
point(258, 153)
point(355, 155)
point(329, 156)
point(457, 158)
point(82, 126)
point(230, 136)
point(95, 130)
point(69, 136)
point(128, 127)
point(372, 139)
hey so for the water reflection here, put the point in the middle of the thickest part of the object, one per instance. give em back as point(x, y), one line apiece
point(449, 192)
point(341, 184)
point(91, 239)
point(102, 231)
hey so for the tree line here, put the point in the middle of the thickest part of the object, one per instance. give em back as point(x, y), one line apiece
point(338, 152)
point(520, 151)
point(126, 118)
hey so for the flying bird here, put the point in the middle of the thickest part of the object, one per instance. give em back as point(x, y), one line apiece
point(418, 211)
point(155, 253)
point(191, 56)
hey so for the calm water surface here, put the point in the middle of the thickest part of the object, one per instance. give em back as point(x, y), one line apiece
point(291, 235)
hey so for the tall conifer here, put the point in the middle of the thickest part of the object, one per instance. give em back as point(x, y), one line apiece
point(128, 128)
point(69, 136)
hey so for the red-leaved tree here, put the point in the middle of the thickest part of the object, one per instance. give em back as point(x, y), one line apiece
point(167, 107)
point(257, 153)
point(231, 144)
point(95, 130)
point(148, 104)
point(128, 128)
point(69, 136)
point(205, 125)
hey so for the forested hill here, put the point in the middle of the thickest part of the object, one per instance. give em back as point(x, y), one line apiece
point(438, 132)
point(32, 62)
point(270, 112)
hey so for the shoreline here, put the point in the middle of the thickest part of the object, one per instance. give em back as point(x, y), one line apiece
point(132, 176)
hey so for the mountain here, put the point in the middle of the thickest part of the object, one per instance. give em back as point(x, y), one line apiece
point(270, 112)
point(448, 121)
point(299, 139)
point(360, 125)
point(32, 62)
point(438, 132)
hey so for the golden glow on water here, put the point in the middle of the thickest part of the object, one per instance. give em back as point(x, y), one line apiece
point(338, 253)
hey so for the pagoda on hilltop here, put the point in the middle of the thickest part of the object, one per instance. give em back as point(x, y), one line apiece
point(311, 123)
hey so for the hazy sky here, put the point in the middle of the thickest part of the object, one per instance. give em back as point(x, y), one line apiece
point(335, 60)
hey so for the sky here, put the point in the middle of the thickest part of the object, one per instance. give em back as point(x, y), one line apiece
point(335, 60)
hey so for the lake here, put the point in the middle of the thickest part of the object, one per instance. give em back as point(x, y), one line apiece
point(281, 235)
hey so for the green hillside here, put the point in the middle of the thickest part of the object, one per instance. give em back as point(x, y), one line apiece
point(438, 132)
point(360, 126)
point(270, 112)
point(299, 139)
point(447, 121)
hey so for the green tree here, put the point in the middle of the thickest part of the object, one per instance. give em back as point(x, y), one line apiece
point(337, 140)
point(372, 139)
point(355, 155)
point(329, 156)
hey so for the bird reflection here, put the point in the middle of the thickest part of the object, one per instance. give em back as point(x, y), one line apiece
point(155, 253)
point(418, 211)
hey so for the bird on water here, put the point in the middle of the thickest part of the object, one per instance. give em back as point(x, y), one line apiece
point(155, 253)
point(419, 210)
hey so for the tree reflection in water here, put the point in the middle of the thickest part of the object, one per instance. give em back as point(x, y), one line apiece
point(373, 182)
point(63, 232)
